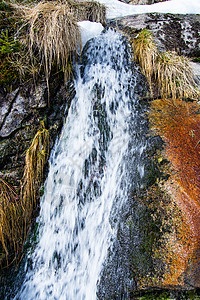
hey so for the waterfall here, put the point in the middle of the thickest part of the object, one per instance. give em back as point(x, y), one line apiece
point(87, 184)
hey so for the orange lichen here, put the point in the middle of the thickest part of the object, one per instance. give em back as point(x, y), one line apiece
point(179, 126)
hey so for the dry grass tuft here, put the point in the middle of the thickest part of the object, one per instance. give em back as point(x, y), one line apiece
point(16, 211)
point(174, 76)
point(52, 34)
point(171, 73)
point(88, 10)
point(35, 159)
point(145, 52)
point(9, 217)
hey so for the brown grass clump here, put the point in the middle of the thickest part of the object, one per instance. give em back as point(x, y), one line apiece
point(174, 76)
point(49, 36)
point(145, 52)
point(9, 217)
point(16, 211)
point(88, 10)
point(35, 160)
point(52, 34)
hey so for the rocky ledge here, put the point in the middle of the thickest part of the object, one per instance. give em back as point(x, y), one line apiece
point(21, 112)
point(178, 33)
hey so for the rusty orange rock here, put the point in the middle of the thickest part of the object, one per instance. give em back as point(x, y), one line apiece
point(178, 123)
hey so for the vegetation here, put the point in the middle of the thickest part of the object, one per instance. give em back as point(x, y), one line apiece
point(174, 76)
point(145, 52)
point(16, 209)
point(51, 34)
point(171, 73)
point(9, 218)
point(36, 157)
point(9, 45)
point(45, 36)
point(88, 10)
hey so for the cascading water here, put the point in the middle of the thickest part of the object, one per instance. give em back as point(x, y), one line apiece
point(87, 183)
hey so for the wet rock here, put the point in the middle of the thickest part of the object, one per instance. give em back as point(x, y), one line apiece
point(37, 97)
point(18, 105)
point(14, 118)
point(21, 115)
point(5, 103)
point(172, 32)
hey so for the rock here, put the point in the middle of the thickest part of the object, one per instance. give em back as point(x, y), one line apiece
point(5, 103)
point(37, 96)
point(17, 105)
point(196, 71)
point(172, 32)
point(13, 120)
point(22, 112)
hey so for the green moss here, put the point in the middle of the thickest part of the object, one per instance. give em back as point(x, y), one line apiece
point(168, 295)
point(149, 235)
point(9, 45)
point(196, 59)
point(8, 74)
point(156, 296)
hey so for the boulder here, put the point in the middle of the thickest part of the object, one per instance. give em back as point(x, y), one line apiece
point(171, 32)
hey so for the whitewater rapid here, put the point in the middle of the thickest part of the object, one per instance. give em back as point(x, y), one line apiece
point(87, 183)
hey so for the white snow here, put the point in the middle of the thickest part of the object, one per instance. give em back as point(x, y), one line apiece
point(116, 9)
point(89, 30)
point(119, 9)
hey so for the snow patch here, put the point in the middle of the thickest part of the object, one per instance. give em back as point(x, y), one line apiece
point(89, 30)
point(119, 9)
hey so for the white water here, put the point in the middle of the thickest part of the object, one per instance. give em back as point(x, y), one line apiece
point(87, 179)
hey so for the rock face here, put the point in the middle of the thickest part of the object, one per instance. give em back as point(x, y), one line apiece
point(20, 116)
point(172, 32)
point(165, 252)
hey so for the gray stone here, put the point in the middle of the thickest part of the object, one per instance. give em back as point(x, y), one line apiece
point(196, 72)
point(172, 32)
point(14, 118)
point(37, 96)
point(15, 106)
point(5, 104)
